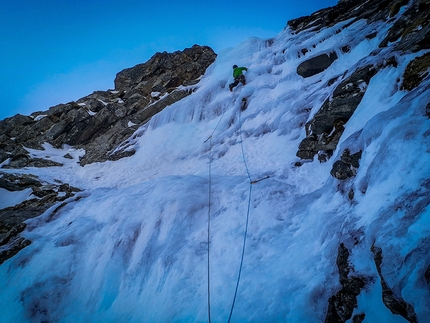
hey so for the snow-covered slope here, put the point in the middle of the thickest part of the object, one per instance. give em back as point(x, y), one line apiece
point(134, 247)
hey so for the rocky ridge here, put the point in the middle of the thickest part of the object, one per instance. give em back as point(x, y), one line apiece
point(102, 120)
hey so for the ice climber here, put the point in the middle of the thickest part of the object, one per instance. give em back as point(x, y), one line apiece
point(238, 76)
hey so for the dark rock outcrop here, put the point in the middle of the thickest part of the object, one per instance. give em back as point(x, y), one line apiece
point(164, 71)
point(342, 304)
point(316, 64)
point(373, 10)
point(12, 218)
point(427, 275)
point(325, 129)
point(101, 121)
point(394, 303)
point(415, 72)
point(411, 31)
point(346, 166)
point(358, 318)
point(346, 97)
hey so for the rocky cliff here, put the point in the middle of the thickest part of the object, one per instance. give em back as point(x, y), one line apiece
point(101, 121)
point(409, 34)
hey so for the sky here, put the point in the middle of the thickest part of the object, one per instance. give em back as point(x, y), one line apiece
point(58, 51)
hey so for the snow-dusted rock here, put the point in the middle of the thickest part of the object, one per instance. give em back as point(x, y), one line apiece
point(12, 219)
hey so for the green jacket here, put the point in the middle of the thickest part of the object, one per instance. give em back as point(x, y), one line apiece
point(238, 70)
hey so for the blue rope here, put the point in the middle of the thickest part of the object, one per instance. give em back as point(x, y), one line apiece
point(209, 214)
point(243, 252)
point(219, 120)
point(209, 208)
point(241, 146)
point(209, 228)
point(247, 219)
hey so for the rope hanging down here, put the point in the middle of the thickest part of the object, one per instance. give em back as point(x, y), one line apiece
point(209, 226)
point(209, 208)
point(251, 182)
point(247, 217)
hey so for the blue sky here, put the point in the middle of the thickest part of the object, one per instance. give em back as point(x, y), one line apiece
point(56, 51)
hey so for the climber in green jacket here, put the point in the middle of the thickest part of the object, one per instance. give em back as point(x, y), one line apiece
point(238, 76)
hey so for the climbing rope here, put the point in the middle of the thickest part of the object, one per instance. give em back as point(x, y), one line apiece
point(209, 207)
point(247, 217)
point(247, 213)
point(243, 252)
point(222, 115)
point(241, 146)
point(209, 226)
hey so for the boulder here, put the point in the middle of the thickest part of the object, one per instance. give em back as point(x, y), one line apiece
point(346, 166)
point(341, 170)
point(316, 65)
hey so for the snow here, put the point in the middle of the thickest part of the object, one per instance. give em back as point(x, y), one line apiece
point(155, 94)
point(8, 198)
point(134, 247)
point(57, 155)
point(40, 117)
point(103, 102)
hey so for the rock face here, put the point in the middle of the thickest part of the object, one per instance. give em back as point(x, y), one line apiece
point(324, 130)
point(101, 121)
point(346, 9)
point(164, 72)
point(394, 303)
point(44, 196)
point(427, 275)
point(341, 305)
point(410, 33)
point(346, 166)
point(412, 30)
point(416, 71)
